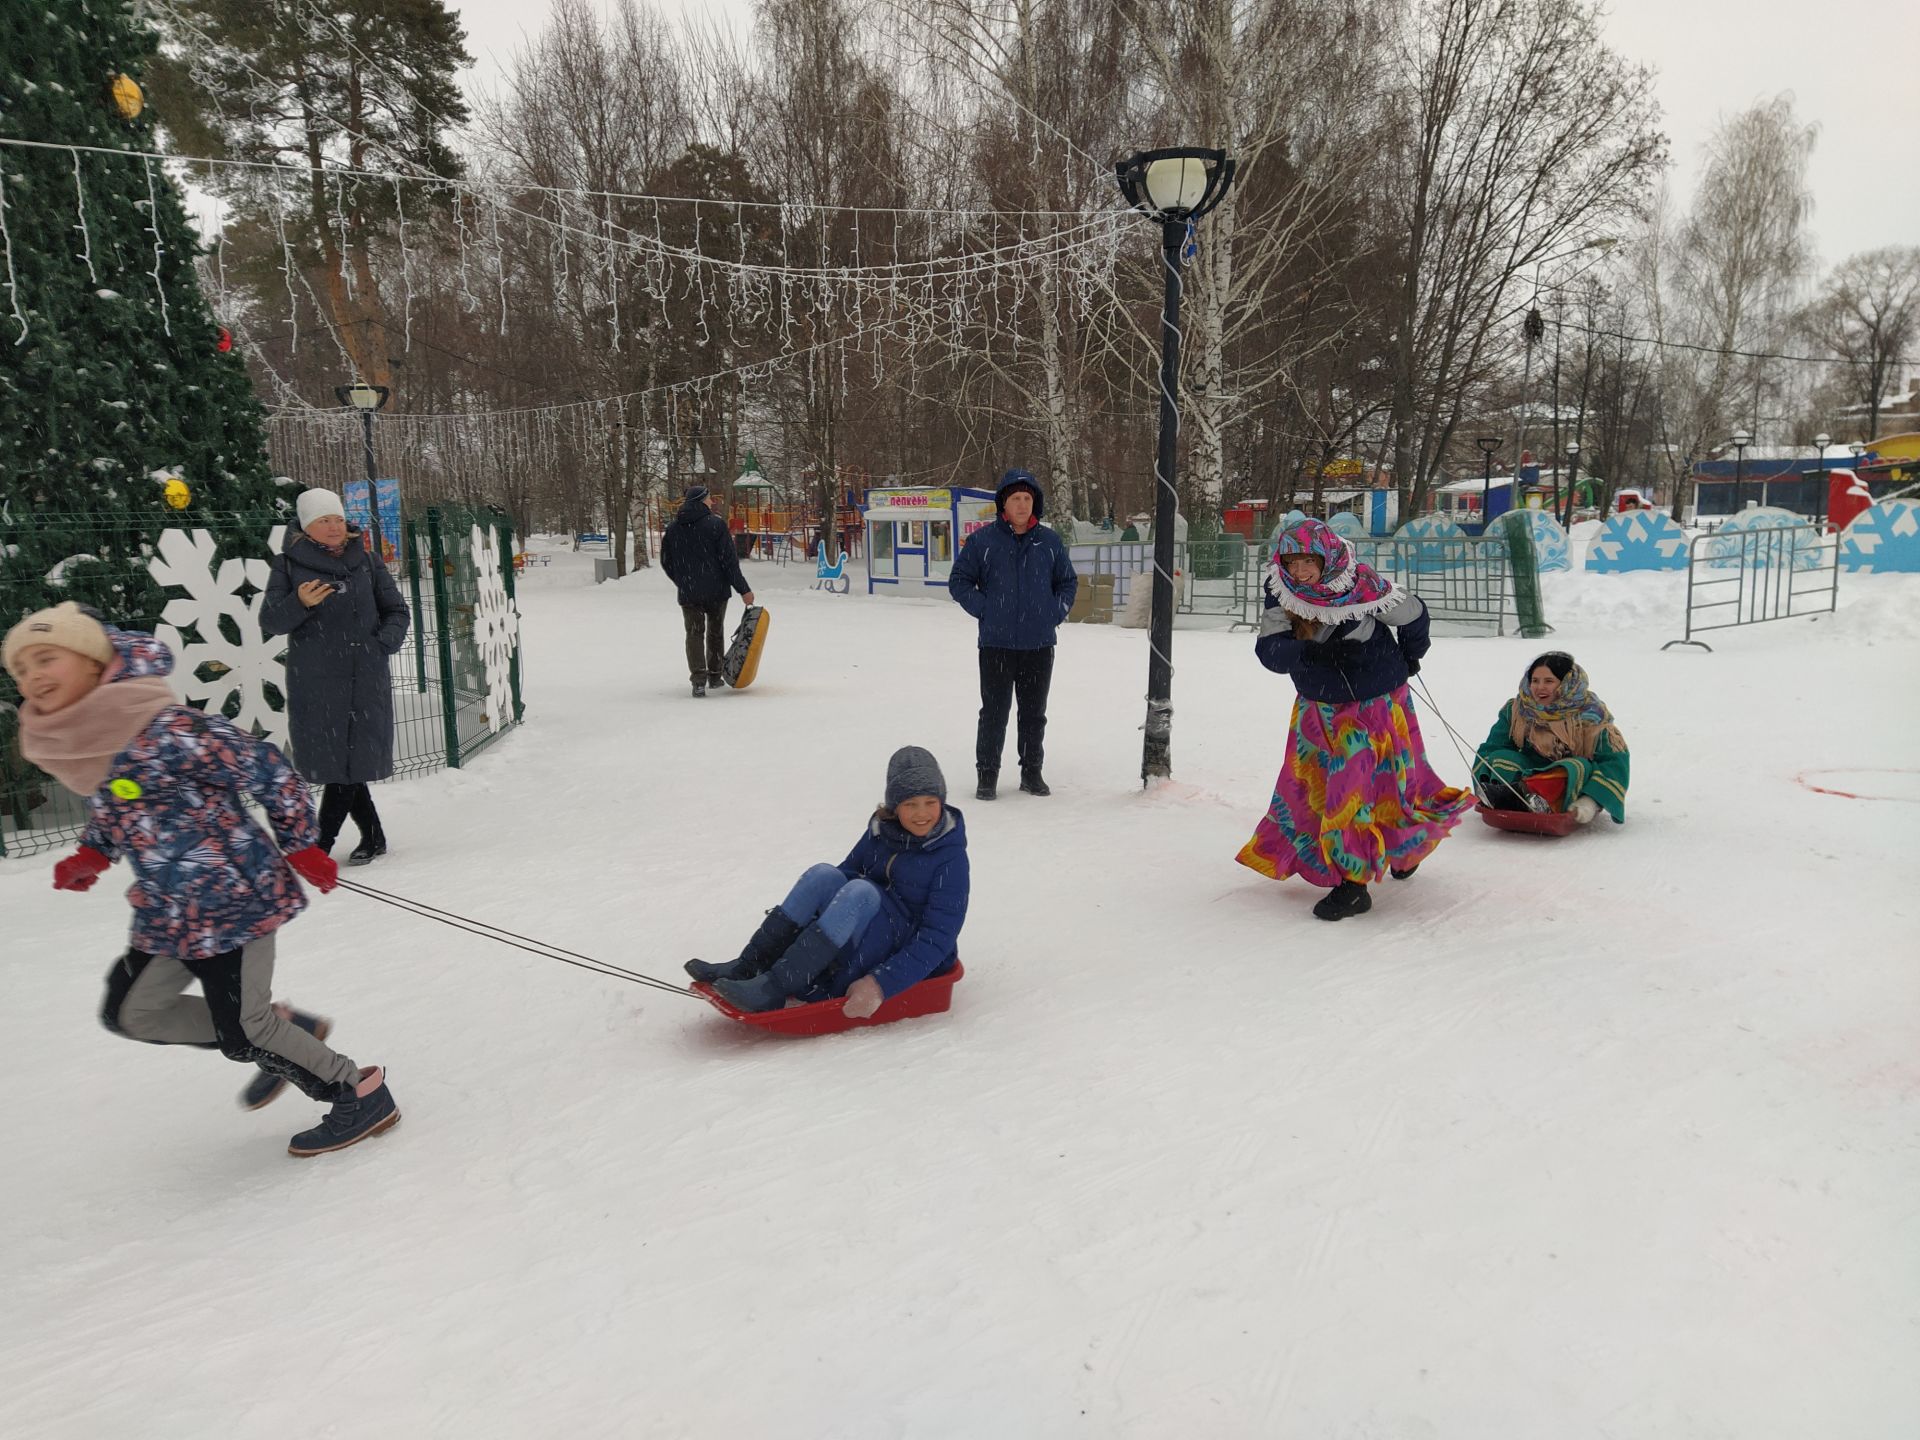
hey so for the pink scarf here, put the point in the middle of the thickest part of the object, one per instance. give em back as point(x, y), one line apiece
point(77, 745)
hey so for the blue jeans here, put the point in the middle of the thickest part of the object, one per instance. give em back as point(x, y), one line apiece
point(841, 907)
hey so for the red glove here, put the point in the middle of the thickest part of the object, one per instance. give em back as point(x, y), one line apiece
point(80, 869)
point(316, 867)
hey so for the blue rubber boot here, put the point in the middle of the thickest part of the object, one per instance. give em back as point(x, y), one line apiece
point(768, 944)
point(264, 1089)
point(806, 960)
point(356, 1118)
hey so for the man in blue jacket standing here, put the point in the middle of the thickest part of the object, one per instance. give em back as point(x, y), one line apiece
point(1015, 578)
point(698, 555)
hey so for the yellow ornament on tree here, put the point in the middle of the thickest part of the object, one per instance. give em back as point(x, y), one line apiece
point(127, 96)
point(176, 493)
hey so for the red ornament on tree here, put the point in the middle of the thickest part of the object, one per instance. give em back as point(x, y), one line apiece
point(225, 342)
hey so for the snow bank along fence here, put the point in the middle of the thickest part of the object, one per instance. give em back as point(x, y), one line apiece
point(1479, 585)
point(1748, 577)
point(198, 586)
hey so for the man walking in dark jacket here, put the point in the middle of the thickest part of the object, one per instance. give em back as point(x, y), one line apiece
point(1015, 578)
point(698, 555)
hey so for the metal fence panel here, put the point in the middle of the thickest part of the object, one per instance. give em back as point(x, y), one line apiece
point(440, 692)
point(1749, 577)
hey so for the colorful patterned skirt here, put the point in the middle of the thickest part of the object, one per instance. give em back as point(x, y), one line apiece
point(1356, 796)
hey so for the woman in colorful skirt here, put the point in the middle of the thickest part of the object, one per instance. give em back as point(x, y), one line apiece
point(1356, 799)
point(1556, 722)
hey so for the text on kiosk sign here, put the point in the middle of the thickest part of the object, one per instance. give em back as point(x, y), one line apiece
point(909, 499)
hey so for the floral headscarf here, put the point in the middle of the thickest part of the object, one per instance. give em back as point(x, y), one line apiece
point(1575, 717)
point(1347, 589)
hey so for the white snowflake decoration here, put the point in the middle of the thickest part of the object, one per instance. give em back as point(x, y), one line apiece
point(496, 628)
point(256, 661)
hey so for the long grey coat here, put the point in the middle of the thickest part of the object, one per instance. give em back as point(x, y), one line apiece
point(339, 693)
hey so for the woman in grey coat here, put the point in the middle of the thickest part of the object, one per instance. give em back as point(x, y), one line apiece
point(342, 616)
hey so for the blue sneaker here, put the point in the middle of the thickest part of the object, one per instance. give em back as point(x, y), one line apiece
point(264, 1089)
point(356, 1118)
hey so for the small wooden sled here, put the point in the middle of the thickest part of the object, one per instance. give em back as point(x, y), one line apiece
point(828, 1017)
point(1551, 787)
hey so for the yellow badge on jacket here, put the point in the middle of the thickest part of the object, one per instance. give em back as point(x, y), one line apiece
point(124, 789)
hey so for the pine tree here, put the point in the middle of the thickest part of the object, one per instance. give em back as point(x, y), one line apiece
point(311, 86)
point(112, 378)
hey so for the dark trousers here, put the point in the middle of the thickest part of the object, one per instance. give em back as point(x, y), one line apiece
point(1007, 675)
point(706, 640)
point(233, 1014)
point(337, 802)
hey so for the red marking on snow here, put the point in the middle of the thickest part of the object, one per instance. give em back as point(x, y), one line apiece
point(1805, 781)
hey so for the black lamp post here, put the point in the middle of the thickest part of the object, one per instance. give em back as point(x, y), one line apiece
point(367, 399)
point(1488, 444)
point(1820, 443)
point(1175, 187)
point(1740, 441)
point(1573, 480)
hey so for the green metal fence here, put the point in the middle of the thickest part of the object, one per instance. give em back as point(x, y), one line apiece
point(182, 585)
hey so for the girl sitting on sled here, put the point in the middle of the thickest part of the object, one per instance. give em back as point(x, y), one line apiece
point(1555, 722)
point(882, 920)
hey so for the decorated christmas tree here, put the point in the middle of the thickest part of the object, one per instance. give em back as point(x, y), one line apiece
point(123, 410)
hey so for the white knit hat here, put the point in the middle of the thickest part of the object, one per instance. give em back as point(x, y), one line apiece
point(313, 504)
point(65, 625)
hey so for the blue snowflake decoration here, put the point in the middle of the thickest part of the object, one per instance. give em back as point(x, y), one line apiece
point(1800, 543)
point(1348, 524)
point(1638, 540)
point(1883, 539)
point(1549, 540)
point(1427, 559)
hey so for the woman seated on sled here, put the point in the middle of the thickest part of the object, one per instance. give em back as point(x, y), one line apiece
point(1555, 722)
point(880, 921)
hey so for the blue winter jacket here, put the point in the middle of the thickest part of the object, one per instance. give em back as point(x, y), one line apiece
point(1019, 587)
point(1363, 661)
point(923, 903)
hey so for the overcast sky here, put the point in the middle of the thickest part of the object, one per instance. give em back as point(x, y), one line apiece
point(1848, 63)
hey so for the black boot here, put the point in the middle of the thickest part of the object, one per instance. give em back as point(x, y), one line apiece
point(1031, 782)
point(368, 850)
point(1406, 874)
point(1346, 898)
point(806, 960)
point(768, 944)
point(699, 690)
point(989, 785)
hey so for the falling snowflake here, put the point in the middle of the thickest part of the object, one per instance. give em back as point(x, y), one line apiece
point(244, 667)
point(496, 628)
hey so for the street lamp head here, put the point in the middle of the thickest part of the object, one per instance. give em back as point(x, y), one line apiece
point(1489, 443)
point(1821, 441)
point(362, 396)
point(1573, 447)
point(1182, 182)
point(1741, 439)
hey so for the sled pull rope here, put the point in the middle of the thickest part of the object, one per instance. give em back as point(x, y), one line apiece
point(518, 942)
point(1475, 764)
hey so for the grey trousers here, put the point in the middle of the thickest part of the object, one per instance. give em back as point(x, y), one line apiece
point(145, 1000)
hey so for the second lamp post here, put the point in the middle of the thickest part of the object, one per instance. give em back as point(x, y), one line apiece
point(1175, 187)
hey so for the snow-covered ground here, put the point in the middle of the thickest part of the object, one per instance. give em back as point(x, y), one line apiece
point(1609, 1137)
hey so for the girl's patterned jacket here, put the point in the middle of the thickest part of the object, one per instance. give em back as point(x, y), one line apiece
point(207, 878)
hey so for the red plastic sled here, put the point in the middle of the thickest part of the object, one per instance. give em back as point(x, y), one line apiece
point(828, 1017)
point(1551, 787)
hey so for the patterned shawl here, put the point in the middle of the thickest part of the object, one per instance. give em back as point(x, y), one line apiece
point(1571, 724)
point(1347, 590)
